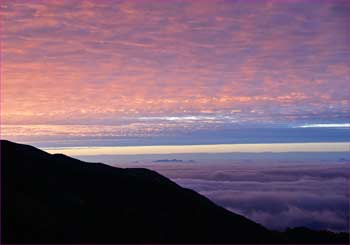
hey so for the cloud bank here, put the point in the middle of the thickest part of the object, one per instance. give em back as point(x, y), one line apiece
point(277, 195)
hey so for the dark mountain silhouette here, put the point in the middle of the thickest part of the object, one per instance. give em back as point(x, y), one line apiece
point(57, 199)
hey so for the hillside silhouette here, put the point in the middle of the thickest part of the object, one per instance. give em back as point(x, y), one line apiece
point(53, 198)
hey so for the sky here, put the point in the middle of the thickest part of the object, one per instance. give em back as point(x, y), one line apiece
point(148, 69)
point(178, 85)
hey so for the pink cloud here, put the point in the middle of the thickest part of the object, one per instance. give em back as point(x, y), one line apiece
point(156, 58)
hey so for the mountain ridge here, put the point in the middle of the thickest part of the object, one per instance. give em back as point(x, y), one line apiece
point(54, 198)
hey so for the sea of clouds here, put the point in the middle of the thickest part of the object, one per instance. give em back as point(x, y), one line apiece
point(278, 190)
point(278, 195)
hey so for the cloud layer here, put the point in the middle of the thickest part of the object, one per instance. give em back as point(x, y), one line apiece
point(275, 194)
point(208, 63)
